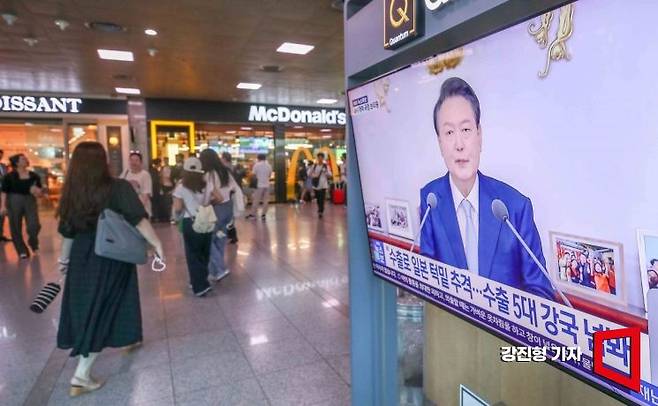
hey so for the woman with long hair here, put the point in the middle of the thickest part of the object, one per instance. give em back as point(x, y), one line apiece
point(221, 187)
point(20, 190)
point(188, 198)
point(100, 304)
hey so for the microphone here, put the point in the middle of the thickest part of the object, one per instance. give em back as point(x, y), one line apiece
point(501, 213)
point(431, 202)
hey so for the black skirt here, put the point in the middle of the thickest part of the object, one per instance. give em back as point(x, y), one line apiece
point(100, 304)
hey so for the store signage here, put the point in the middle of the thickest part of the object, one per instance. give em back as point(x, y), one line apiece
point(400, 22)
point(40, 104)
point(287, 115)
point(434, 4)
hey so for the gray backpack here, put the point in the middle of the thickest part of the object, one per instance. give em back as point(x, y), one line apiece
point(119, 240)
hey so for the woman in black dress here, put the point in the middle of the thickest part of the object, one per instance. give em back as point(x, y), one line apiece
point(100, 304)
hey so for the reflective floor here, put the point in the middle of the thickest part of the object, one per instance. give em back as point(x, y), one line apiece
point(275, 332)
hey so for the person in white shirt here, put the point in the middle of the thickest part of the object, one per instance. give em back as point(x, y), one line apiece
point(262, 171)
point(219, 192)
point(189, 196)
point(140, 180)
point(320, 173)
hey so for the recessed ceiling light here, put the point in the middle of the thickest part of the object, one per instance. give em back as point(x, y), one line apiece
point(292, 48)
point(231, 132)
point(326, 136)
point(151, 32)
point(249, 86)
point(246, 128)
point(105, 26)
point(298, 126)
point(114, 55)
point(327, 101)
point(325, 130)
point(127, 90)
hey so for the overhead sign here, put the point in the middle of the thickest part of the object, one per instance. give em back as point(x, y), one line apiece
point(39, 104)
point(283, 114)
point(400, 22)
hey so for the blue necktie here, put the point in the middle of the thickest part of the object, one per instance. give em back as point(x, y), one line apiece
point(470, 239)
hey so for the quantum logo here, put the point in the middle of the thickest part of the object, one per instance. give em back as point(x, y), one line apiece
point(401, 13)
point(400, 22)
point(631, 382)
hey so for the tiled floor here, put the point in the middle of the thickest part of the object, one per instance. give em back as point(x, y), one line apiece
point(275, 332)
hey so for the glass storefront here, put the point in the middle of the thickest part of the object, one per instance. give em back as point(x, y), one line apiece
point(246, 141)
point(286, 134)
point(243, 142)
point(42, 142)
point(48, 145)
point(303, 144)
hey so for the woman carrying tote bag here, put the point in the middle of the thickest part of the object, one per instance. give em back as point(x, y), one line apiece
point(100, 304)
point(188, 202)
point(220, 190)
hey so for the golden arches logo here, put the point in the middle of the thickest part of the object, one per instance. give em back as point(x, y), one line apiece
point(402, 13)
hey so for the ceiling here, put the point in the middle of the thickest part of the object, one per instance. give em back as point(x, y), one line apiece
point(204, 49)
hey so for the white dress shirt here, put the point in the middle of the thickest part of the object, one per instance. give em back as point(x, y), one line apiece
point(473, 198)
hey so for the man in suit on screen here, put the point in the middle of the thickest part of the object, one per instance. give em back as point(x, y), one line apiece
point(461, 230)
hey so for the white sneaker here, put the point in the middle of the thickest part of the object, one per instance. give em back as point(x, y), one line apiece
point(204, 292)
point(217, 278)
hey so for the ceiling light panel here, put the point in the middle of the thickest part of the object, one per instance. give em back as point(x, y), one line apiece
point(127, 90)
point(292, 48)
point(115, 55)
point(249, 86)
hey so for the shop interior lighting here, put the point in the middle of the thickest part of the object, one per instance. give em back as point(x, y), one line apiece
point(115, 55)
point(327, 101)
point(292, 48)
point(246, 128)
point(127, 90)
point(231, 132)
point(249, 86)
point(151, 32)
point(325, 130)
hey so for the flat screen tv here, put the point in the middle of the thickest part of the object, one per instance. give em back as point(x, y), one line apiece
point(514, 181)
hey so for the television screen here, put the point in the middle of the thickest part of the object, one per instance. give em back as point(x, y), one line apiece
point(255, 145)
point(513, 181)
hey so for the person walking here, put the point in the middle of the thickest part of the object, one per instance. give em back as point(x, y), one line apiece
point(320, 173)
point(303, 182)
point(3, 172)
point(18, 201)
point(343, 175)
point(188, 198)
point(262, 172)
point(156, 188)
point(231, 231)
point(167, 185)
point(220, 189)
point(100, 303)
point(140, 180)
